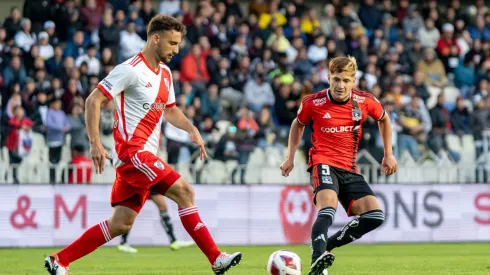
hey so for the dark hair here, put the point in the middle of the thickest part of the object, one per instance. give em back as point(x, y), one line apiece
point(165, 23)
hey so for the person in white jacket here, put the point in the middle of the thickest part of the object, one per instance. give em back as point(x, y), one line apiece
point(25, 39)
point(131, 43)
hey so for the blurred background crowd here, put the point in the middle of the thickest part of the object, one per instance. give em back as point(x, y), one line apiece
point(243, 69)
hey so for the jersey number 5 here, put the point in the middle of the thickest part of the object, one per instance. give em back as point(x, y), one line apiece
point(325, 170)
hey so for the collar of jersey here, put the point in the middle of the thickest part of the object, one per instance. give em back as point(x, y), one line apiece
point(335, 101)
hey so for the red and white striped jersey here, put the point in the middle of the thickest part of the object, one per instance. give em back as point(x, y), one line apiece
point(140, 96)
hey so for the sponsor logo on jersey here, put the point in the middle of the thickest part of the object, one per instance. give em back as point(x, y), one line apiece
point(356, 114)
point(106, 84)
point(358, 98)
point(340, 129)
point(320, 101)
point(157, 106)
point(158, 164)
point(327, 115)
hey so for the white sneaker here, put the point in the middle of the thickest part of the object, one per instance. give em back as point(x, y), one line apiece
point(127, 248)
point(225, 262)
point(53, 267)
point(180, 244)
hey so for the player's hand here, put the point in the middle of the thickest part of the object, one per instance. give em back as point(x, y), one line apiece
point(197, 140)
point(287, 166)
point(99, 155)
point(389, 165)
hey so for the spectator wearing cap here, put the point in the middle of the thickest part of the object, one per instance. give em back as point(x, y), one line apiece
point(429, 35)
point(446, 41)
point(50, 27)
point(57, 125)
point(46, 51)
point(480, 30)
point(91, 60)
point(76, 47)
point(80, 170)
point(24, 39)
point(19, 139)
point(131, 43)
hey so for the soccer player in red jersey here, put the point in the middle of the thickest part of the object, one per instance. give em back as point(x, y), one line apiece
point(143, 93)
point(337, 115)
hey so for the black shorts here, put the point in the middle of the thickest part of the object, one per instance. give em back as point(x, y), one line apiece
point(349, 186)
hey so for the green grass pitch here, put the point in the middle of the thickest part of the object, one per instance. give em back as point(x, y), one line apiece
point(357, 259)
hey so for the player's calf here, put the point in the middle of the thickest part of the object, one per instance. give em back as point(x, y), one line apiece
point(356, 228)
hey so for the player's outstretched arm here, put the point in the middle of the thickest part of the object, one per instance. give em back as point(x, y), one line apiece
point(92, 118)
point(295, 135)
point(175, 116)
point(388, 165)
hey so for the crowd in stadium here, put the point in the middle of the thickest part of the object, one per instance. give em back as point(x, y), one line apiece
point(428, 64)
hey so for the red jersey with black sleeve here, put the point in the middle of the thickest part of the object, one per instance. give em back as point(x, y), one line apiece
point(337, 126)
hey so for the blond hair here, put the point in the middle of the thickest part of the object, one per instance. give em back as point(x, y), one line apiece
point(342, 64)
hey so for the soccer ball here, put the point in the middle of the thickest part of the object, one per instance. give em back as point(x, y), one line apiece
point(284, 262)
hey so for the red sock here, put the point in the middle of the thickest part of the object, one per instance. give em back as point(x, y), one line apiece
point(92, 238)
point(199, 232)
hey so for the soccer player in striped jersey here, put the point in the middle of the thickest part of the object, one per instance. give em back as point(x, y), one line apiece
point(143, 94)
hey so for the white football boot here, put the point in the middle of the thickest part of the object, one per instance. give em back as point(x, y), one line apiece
point(225, 262)
point(127, 248)
point(53, 267)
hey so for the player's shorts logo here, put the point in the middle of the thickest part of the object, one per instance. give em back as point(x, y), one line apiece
point(327, 180)
point(356, 114)
point(297, 213)
point(158, 164)
point(116, 121)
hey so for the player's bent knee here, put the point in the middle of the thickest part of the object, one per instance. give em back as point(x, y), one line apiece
point(182, 193)
point(119, 227)
point(326, 198)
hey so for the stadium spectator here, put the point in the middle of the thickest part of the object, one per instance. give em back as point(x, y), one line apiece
point(80, 169)
point(258, 92)
point(56, 126)
point(19, 140)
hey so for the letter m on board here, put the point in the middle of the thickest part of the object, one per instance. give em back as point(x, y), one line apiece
point(59, 204)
